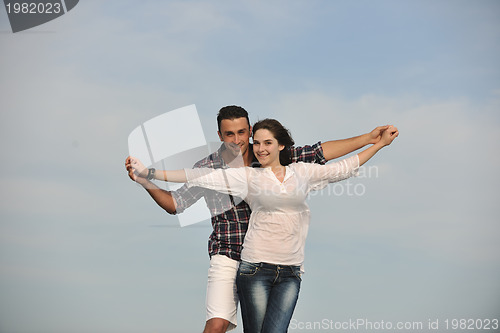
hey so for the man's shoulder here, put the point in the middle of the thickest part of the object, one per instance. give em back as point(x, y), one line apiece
point(308, 153)
point(314, 146)
point(213, 160)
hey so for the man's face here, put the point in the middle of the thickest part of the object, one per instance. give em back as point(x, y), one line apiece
point(236, 134)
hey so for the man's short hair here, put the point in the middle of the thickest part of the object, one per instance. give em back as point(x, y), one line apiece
point(232, 112)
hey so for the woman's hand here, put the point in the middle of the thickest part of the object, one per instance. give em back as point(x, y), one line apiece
point(375, 135)
point(389, 135)
point(135, 168)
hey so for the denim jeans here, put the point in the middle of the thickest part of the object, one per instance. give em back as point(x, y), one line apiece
point(268, 294)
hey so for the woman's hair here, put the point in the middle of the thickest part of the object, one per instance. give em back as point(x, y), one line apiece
point(281, 134)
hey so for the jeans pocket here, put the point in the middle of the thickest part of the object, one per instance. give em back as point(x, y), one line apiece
point(247, 269)
point(297, 273)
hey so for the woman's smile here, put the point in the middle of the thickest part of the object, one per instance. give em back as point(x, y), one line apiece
point(266, 148)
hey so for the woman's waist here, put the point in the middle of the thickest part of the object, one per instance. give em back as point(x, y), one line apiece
point(267, 265)
point(284, 256)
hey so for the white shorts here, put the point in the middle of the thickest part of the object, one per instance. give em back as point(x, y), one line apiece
point(222, 298)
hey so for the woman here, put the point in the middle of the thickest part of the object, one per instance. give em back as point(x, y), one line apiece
point(269, 276)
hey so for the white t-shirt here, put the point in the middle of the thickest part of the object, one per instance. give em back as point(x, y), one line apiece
point(280, 217)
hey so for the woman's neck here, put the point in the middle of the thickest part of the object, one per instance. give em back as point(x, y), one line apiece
point(279, 171)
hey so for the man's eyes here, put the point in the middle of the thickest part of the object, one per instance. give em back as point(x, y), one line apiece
point(232, 133)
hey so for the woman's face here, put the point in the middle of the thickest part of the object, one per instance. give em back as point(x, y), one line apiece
point(266, 148)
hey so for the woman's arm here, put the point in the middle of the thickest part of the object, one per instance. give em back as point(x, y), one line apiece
point(320, 175)
point(135, 167)
point(230, 181)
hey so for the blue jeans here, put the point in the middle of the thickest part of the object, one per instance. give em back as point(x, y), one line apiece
point(268, 294)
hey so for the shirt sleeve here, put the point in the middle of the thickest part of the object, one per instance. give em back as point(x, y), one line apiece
point(185, 197)
point(308, 154)
point(233, 181)
point(319, 176)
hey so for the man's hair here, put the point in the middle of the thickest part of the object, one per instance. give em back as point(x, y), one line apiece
point(232, 112)
point(281, 134)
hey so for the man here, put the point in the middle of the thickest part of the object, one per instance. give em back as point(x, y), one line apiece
point(229, 215)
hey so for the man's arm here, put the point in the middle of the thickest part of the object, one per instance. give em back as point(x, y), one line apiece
point(174, 202)
point(163, 198)
point(338, 148)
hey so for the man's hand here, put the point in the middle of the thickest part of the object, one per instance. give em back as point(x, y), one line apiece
point(388, 135)
point(376, 134)
point(128, 167)
point(135, 168)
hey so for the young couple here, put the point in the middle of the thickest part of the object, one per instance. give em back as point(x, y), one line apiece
point(274, 212)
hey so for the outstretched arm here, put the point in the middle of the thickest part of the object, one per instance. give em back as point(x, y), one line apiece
point(163, 198)
point(388, 135)
point(337, 148)
point(137, 170)
point(230, 181)
point(320, 175)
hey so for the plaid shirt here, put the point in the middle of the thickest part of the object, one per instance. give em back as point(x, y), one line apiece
point(230, 215)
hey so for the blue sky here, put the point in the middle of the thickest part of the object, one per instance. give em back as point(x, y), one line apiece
point(83, 249)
